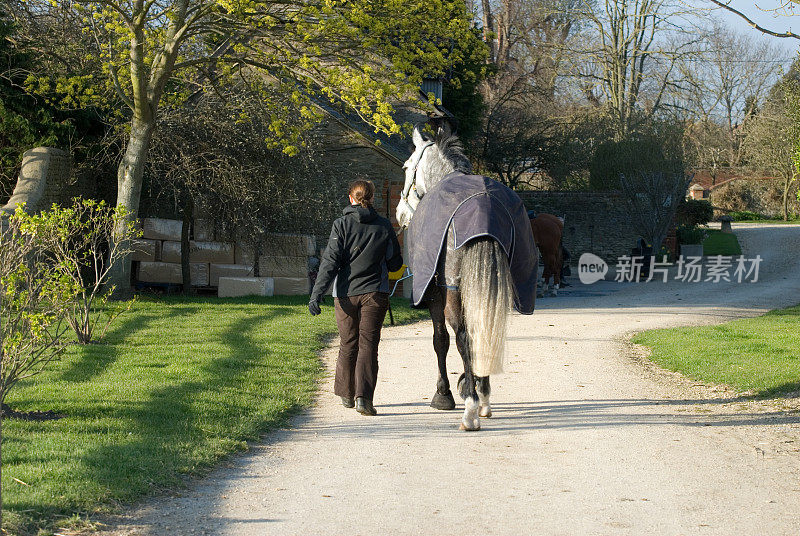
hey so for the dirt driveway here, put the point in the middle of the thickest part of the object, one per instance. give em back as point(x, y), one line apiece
point(586, 437)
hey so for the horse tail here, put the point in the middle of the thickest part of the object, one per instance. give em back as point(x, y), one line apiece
point(486, 299)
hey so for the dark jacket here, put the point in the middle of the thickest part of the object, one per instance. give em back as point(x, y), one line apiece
point(361, 251)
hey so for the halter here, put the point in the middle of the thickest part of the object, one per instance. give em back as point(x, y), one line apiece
point(412, 184)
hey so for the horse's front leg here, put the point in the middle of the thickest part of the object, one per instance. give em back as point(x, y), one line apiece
point(443, 399)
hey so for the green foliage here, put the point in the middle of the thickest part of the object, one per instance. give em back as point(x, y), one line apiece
point(83, 242)
point(364, 54)
point(34, 301)
point(460, 90)
point(756, 355)
point(643, 154)
point(746, 215)
point(692, 212)
point(690, 234)
point(178, 385)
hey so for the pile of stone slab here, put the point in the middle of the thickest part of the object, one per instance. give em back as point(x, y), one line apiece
point(226, 265)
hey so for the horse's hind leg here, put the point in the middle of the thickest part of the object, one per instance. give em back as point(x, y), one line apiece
point(443, 399)
point(484, 390)
point(470, 420)
point(551, 270)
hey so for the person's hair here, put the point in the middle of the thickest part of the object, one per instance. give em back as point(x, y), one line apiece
point(363, 192)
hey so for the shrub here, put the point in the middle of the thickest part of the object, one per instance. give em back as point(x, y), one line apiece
point(764, 197)
point(689, 234)
point(83, 242)
point(742, 215)
point(656, 151)
point(692, 212)
point(34, 303)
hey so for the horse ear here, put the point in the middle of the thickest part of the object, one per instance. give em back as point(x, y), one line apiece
point(418, 136)
point(444, 130)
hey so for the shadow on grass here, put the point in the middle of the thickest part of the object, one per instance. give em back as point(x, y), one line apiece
point(789, 388)
point(169, 426)
point(96, 358)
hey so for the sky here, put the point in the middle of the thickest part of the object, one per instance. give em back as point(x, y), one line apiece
point(757, 10)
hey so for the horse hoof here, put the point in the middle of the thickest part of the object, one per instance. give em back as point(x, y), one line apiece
point(443, 402)
point(463, 428)
point(486, 412)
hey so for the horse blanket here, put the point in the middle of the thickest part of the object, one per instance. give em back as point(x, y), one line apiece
point(475, 206)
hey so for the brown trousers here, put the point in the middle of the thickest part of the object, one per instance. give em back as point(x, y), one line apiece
point(359, 319)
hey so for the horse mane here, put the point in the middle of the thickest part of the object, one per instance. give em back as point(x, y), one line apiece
point(452, 150)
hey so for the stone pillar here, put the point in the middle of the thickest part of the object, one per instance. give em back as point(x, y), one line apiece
point(725, 224)
point(45, 171)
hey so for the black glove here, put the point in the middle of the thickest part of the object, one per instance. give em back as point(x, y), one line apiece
point(313, 307)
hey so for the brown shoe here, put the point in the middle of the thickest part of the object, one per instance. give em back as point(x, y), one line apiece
point(347, 401)
point(365, 407)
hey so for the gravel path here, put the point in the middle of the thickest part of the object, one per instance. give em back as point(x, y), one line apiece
point(587, 437)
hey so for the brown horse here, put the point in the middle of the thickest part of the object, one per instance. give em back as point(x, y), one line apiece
point(547, 232)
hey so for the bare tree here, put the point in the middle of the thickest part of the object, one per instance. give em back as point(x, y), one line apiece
point(726, 81)
point(213, 157)
point(630, 57)
point(772, 140)
point(652, 199)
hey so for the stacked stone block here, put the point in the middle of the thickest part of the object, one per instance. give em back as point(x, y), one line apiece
point(228, 266)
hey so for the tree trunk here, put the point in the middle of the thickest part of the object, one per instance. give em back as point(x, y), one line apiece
point(129, 189)
point(787, 185)
point(186, 272)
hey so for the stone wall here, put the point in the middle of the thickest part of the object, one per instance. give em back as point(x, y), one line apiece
point(353, 157)
point(44, 179)
point(594, 222)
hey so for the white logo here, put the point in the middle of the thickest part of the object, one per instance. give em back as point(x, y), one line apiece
point(591, 268)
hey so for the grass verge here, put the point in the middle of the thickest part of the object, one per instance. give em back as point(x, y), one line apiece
point(176, 385)
point(755, 355)
point(719, 243)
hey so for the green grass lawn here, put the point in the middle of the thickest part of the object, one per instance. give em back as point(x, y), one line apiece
point(176, 385)
point(719, 243)
point(759, 355)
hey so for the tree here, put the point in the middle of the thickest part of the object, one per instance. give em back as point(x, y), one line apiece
point(214, 158)
point(653, 198)
point(629, 59)
point(361, 53)
point(727, 80)
point(772, 140)
point(519, 131)
point(46, 116)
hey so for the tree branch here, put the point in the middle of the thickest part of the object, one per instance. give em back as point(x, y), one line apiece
point(752, 23)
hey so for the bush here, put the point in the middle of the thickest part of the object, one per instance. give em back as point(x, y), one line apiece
point(83, 242)
point(690, 234)
point(34, 303)
point(746, 215)
point(658, 150)
point(763, 197)
point(692, 212)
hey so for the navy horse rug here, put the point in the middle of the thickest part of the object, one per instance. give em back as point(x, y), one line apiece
point(475, 206)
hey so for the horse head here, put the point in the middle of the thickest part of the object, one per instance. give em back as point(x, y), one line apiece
point(414, 187)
